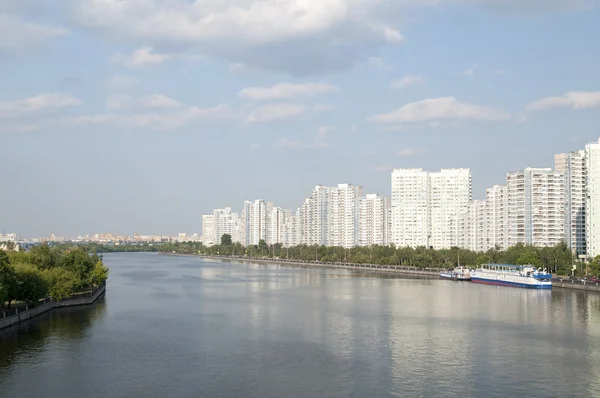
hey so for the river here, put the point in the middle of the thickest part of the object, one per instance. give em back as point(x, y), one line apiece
point(187, 327)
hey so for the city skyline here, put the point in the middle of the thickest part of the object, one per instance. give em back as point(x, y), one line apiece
point(107, 125)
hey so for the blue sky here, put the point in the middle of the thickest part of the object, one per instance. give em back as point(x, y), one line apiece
point(140, 115)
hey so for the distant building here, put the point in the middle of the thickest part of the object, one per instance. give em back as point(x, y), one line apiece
point(208, 231)
point(572, 166)
point(592, 218)
point(496, 207)
point(535, 207)
point(343, 215)
point(373, 220)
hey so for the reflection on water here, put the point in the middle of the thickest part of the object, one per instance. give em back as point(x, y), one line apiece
point(181, 326)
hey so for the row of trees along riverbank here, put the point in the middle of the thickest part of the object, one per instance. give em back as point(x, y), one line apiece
point(44, 271)
point(557, 259)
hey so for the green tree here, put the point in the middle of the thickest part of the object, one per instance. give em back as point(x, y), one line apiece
point(529, 257)
point(99, 273)
point(594, 266)
point(44, 257)
point(226, 240)
point(80, 263)
point(31, 283)
point(61, 283)
point(8, 280)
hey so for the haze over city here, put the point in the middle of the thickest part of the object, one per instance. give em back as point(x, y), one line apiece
point(115, 120)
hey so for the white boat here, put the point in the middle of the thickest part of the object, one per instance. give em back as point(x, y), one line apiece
point(526, 276)
point(457, 274)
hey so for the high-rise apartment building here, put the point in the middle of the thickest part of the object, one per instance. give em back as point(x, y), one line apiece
point(259, 221)
point(428, 208)
point(317, 216)
point(208, 232)
point(293, 229)
point(343, 215)
point(592, 217)
point(496, 208)
point(450, 196)
point(475, 227)
point(572, 166)
point(277, 219)
point(410, 207)
point(225, 222)
point(245, 222)
point(535, 207)
point(373, 217)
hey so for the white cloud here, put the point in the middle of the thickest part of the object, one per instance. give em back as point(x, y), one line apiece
point(572, 99)
point(287, 91)
point(169, 119)
point(407, 81)
point(378, 63)
point(298, 36)
point(409, 152)
point(16, 34)
point(470, 71)
point(326, 129)
point(274, 112)
point(254, 146)
point(325, 108)
point(38, 105)
point(121, 82)
point(153, 101)
point(119, 101)
point(141, 57)
point(159, 101)
point(238, 67)
point(438, 110)
point(287, 143)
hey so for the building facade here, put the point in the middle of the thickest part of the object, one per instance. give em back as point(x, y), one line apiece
point(259, 221)
point(373, 217)
point(496, 208)
point(573, 167)
point(225, 222)
point(343, 215)
point(592, 218)
point(535, 207)
point(410, 208)
point(428, 209)
point(208, 232)
point(276, 229)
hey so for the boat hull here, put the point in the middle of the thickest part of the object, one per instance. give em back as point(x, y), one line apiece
point(497, 282)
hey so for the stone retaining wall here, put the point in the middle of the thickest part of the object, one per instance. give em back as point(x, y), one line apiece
point(40, 309)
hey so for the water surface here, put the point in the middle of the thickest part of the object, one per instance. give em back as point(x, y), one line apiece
point(185, 327)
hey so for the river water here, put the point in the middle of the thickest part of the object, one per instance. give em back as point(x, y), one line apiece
point(185, 327)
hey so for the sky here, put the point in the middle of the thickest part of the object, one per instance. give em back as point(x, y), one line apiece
point(128, 116)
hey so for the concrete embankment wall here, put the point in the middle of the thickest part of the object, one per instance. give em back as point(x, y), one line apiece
point(48, 306)
point(568, 284)
point(432, 272)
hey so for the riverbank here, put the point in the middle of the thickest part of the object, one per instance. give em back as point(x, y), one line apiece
point(428, 272)
point(558, 282)
point(49, 305)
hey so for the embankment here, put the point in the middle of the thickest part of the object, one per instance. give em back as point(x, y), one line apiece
point(48, 305)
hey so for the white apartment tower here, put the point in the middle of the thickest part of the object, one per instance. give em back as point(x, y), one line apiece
point(476, 231)
point(535, 207)
point(410, 208)
point(343, 215)
point(277, 219)
point(317, 216)
point(225, 222)
point(373, 220)
point(245, 222)
point(428, 209)
point(450, 196)
point(592, 218)
point(496, 208)
point(573, 166)
point(208, 232)
point(259, 216)
point(293, 230)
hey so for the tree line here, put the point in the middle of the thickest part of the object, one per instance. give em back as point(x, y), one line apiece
point(557, 259)
point(48, 271)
